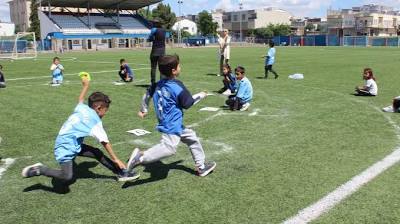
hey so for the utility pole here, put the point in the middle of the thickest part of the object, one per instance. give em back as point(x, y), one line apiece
point(240, 23)
point(180, 2)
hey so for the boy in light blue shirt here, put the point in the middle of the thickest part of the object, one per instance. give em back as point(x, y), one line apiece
point(244, 93)
point(84, 121)
point(270, 60)
point(57, 72)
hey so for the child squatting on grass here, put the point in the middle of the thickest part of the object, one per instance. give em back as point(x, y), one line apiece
point(244, 93)
point(125, 72)
point(56, 72)
point(84, 121)
point(370, 87)
point(170, 97)
point(2, 78)
point(229, 81)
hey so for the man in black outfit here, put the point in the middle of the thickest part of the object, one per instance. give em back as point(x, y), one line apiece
point(157, 36)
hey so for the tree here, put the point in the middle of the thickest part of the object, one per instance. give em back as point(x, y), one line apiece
point(309, 27)
point(164, 14)
point(280, 29)
point(34, 18)
point(145, 13)
point(205, 24)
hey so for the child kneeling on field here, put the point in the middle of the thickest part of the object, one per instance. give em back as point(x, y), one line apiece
point(244, 93)
point(2, 79)
point(84, 121)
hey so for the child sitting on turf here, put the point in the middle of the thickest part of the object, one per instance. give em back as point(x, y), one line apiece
point(244, 94)
point(170, 97)
point(125, 71)
point(57, 72)
point(85, 121)
point(2, 79)
point(229, 81)
point(370, 88)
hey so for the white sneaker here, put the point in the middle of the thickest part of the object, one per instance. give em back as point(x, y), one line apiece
point(227, 92)
point(245, 107)
point(388, 109)
point(55, 84)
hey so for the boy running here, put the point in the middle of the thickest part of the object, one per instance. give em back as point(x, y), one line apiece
point(170, 97)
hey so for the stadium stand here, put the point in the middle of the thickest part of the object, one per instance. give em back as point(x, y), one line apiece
point(66, 27)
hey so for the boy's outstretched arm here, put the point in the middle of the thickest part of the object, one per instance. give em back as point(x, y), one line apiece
point(144, 109)
point(85, 88)
point(114, 158)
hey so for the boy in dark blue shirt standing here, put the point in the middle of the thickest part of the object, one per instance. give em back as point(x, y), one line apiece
point(170, 97)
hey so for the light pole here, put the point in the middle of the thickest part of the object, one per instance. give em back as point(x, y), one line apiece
point(180, 2)
point(240, 21)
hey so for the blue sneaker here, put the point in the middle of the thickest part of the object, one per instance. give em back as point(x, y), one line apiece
point(127, 176)
point(208, 168)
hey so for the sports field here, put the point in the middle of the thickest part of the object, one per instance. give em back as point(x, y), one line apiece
point(299, 141)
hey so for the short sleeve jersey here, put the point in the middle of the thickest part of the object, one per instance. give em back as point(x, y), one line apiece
point(83, 122)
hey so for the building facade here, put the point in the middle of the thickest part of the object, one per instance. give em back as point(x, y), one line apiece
point(185, 25)
point(367, 20)
point(20, 10)
point(245, 20)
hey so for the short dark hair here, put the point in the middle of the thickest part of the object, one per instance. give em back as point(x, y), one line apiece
point(271, 44)
point(167, 63)
point(240, 69)
point(121, 60)
point(56, 58)
point(99, 99)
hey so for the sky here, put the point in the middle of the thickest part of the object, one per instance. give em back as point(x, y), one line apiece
point(298, 8)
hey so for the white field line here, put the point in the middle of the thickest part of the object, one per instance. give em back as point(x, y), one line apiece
point(222, 147)
point(325, 204)
point(77, 83)
point(48, 76)
point(7, 163)
point(206, 120)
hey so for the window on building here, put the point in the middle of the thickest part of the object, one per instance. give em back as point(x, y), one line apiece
point(243, 16)
point(235, 18)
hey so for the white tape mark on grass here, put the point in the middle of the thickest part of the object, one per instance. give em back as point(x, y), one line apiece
point(70, 74)
point(332, 199)
point(7, 163)
point(325, 204)
point(206, 120)
point(222, 147)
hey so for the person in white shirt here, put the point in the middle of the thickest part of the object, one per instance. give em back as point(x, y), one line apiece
point(224, 42)
point(370, 87)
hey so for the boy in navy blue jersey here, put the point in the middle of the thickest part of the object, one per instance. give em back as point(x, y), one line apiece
point(125, 72)
point(170, 97)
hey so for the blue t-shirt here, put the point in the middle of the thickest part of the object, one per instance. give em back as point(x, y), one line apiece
point(170, 97)
point(233, 84)
point(83, 122)
point(271, 56)
point(127, 69)
point(57, 71)
point(245, 90)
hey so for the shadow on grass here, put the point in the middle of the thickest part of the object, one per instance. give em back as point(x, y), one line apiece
point(159, 171)
point(212, 74)
point(261, 77)
point(143, 85)
point(81, 171)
